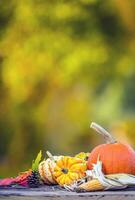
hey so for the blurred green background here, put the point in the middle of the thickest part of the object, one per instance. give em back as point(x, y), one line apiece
point(63, 64)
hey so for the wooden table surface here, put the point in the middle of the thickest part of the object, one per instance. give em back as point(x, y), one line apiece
point(55, 193)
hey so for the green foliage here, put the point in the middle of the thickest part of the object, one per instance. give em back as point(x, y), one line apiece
point(62, 65)
point(36, 162)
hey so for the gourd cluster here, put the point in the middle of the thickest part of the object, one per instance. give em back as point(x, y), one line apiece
point(117, 161)
point(107, 166)
point(63, 170)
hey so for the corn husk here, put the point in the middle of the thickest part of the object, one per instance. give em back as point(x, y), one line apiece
point(127, 179)
point(112, 181)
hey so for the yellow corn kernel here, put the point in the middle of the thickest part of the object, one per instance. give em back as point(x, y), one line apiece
point(93, 185)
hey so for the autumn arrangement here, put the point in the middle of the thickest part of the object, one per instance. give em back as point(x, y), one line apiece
point(107, 166)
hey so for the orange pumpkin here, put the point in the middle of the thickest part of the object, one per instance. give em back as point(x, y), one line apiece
point(115, 156)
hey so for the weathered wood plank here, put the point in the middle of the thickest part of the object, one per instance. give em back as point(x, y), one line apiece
point(57, 194)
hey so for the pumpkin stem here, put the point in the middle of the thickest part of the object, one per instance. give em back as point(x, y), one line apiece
point(50, 155)
point(107, 136)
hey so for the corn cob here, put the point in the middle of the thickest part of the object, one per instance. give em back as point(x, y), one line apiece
point(92, 185)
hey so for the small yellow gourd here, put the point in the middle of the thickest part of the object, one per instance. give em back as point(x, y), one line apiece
point(68, 170)
point(46, 169)
point(82, 155)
